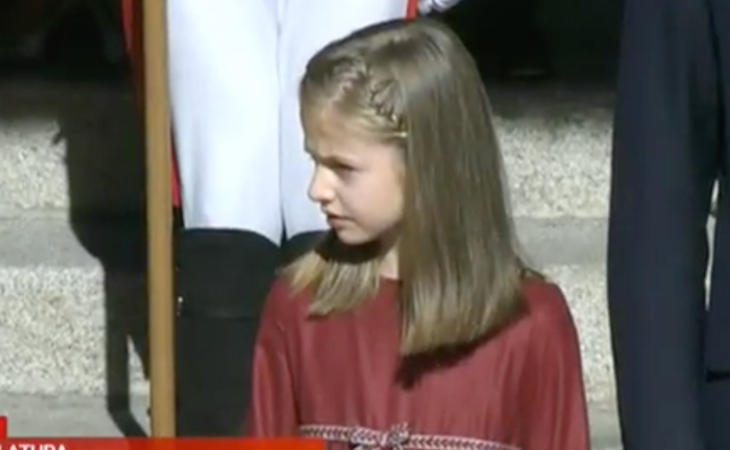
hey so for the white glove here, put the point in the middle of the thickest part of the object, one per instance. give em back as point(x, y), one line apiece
point(426, 6)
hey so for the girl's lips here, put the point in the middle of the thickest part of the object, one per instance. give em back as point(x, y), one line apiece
point(333, 216)
point(333, 219)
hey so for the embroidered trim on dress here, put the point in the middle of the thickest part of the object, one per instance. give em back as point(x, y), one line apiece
point(397, 437)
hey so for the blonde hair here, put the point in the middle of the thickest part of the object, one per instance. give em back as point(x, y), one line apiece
point(412, 83)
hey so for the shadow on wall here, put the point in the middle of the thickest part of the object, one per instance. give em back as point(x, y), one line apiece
point(100, 128)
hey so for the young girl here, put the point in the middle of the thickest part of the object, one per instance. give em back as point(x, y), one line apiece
point(414, 324)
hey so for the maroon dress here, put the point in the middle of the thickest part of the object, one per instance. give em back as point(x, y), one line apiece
point(340, 378)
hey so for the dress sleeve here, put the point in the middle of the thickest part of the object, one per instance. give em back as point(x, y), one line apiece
point(553, 398)
point(272, 411)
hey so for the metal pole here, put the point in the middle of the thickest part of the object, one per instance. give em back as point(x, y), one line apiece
point(159, 220)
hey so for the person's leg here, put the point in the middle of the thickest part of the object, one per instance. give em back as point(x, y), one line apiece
point(664, 164)
point(224, 93)
point(717, 406)
point(224, 277)
point(307, 26)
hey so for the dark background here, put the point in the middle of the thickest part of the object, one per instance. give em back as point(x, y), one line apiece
point(513, 39)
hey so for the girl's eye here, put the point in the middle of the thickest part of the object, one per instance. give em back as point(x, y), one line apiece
point(344, 171)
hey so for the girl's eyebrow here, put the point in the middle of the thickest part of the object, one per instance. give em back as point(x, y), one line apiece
point(328, 159)
point(333, 160)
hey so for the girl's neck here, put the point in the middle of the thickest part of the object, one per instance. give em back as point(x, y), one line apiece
point(389, 263)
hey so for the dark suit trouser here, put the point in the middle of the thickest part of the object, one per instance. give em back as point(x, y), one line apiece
point(671, 142)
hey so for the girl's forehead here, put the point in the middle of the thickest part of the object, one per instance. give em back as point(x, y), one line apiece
point(328, 132)
point(346, 146)
point(322, 123)
point(332, 143)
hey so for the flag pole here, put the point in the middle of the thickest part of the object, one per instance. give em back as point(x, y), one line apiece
point(159, 220)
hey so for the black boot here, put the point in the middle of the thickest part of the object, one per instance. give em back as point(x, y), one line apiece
point(224, 276)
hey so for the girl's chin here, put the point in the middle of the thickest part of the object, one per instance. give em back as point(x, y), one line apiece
point(349, 237)
point(354, 236)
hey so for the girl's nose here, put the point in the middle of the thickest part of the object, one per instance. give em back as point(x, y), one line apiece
point(320, 188)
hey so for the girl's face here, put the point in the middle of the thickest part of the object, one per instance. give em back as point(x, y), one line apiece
point(358, 184)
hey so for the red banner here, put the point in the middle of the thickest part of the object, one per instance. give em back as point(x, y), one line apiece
point(158, 444)
point(51, 443)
